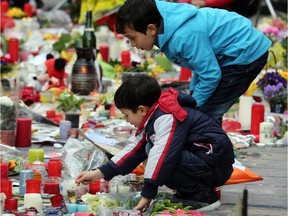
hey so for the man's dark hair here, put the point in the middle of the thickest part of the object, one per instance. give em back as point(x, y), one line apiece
point(137, 15)
point(137, 90)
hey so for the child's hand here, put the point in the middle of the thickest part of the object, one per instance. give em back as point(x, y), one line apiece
point(143, 203)
point(88, 177)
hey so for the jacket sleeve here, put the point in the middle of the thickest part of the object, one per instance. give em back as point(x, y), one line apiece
point(126, 160)
point(165, 153)
point(206, 71)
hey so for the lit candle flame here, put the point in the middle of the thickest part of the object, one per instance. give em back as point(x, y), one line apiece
point(84, 70)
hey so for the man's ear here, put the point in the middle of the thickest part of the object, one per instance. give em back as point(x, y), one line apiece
point(143, 109)
point(151, 29)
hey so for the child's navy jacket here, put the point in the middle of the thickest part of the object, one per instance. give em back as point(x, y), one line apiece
point(171, 128)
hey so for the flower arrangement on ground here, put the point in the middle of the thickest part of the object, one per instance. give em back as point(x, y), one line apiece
point(274, 87)
point(8, 112)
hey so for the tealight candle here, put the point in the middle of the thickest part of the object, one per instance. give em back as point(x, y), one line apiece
point(35, 155)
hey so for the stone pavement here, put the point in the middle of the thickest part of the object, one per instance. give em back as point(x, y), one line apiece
point(266, 197)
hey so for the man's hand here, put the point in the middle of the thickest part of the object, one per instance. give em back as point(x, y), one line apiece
point(143, 203)
point(88, 177)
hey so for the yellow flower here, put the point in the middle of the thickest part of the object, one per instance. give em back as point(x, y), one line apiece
point(118, 68)
point(15, 13)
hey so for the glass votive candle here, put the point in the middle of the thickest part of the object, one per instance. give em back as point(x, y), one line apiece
point(54, 168)
point(56, 200)
point(11, 204)
point(51, 187)
point(4, 171)
point(33, 186)
point(6, 188)
point(95, 187)
point(36, 155)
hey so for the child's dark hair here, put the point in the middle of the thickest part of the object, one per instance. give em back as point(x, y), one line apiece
point(137, 90)
point(137, 15)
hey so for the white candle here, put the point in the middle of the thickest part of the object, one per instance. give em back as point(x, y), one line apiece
point(245, 105)
point(33, 200)
point(266, 132)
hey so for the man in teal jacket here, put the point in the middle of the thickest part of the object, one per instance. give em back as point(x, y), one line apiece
point(223, 49)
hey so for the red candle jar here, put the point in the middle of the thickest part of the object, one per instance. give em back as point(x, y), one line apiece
point(6, 188)
point(257, 116)
point(33, 186)
point(4, 7)
point(4, 171)
point(54, 167)
point(185, 74)
point(51, 187)
point(104, 51)
point(13, 49)
point(11, 204)
point(94, 187)
point(56, 200)
point(126, 59)
point(28, 9)
point(23, 132)
point(51, 114)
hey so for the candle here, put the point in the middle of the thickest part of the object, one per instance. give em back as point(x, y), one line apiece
point(185, 74)
point(6, 188)
point(11, 204)
point(24, 175)
point(56, 200)
point(71, 208)
point(245, 104)
point(94, 187)
point(33, 200)
point(13, 49)
point(64, 127)
point(36, 156)
point(123, 189)
point(125, 59)
point(33, 186)
point(257, 116)
point(4, 171)
point(82, 207)
point(23, 132)
point(266, 133)
point(51, 187)
point(27, 8)
point(4, 7)
point(104, 51)
point(50, 113)
point(54, 168)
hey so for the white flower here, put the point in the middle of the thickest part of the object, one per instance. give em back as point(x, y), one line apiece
point(6, 101)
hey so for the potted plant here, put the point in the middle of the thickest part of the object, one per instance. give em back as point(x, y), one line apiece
point(70, 104)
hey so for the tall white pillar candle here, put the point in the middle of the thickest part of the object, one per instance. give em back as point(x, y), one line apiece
point(266, 133)
point(245, 105)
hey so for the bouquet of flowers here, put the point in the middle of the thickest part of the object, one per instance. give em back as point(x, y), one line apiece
point(274, 87)
point(8, 113)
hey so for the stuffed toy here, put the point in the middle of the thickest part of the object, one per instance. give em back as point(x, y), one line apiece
point(54, 78)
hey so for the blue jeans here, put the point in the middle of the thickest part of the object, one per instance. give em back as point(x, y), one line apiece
point(194, 176)
point(235, 81)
